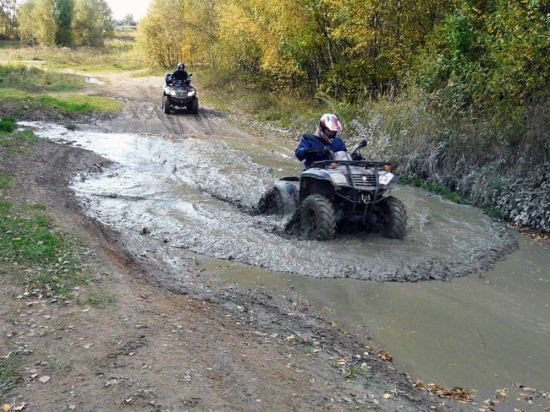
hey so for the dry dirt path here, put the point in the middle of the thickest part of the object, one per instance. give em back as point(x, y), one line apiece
point(152, 349)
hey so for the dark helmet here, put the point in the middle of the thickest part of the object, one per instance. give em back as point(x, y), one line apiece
point(181, 67)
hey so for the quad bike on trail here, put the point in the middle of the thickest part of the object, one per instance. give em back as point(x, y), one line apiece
point(346, 192)
point(179, 95)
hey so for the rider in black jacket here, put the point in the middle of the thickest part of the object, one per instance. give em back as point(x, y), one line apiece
point(181, 74)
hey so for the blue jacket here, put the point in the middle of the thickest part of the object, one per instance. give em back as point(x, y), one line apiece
point(310, 140)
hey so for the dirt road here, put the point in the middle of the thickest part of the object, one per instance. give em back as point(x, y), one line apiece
point(193, 347)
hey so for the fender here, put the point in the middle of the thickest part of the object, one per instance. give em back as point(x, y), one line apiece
point(290, 193)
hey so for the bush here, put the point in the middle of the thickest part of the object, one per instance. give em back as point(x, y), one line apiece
point(7, 124)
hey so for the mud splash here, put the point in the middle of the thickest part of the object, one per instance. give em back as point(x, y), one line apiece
point(170, 192)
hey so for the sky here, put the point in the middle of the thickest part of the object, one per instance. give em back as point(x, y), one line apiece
point(120, 8)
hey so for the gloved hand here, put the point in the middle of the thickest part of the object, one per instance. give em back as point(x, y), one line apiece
point(356, 156)
point(317, 149)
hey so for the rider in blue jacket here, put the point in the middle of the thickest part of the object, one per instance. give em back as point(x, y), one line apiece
point(312, 147)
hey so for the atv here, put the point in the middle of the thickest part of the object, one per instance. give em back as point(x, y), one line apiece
point(345, 192)
point(178, 95)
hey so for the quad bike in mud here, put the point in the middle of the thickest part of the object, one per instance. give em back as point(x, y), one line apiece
point(344, 192)
point(178, 95)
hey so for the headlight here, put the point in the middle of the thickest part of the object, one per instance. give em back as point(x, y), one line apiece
point(338, 178)
point(386, 178)
point(173, 93)
point(191, 93)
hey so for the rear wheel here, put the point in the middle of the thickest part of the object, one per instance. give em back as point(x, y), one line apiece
point(166, 104)
point(394, 218)
point(317, 218)
point(272, 203)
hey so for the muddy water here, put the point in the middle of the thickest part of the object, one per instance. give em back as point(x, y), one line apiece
point(483, 331)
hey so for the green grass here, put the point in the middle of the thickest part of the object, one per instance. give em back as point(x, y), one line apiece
point(42, 255)
point(8, 372)
point(100, 299)
point(37, 80)
point(5, 183)
point(435, 188)
point(18, 141)
point(7, 124)
point(31, 87)
point(76, 103)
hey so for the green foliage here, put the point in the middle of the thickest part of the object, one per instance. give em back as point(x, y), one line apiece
point(491, 58)
point(7, 124)
point(63, 10)
point(59, 22)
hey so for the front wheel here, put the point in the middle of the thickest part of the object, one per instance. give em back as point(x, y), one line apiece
point(166, 104)
point(317, 218)
point(394, 217)
point(194, 106)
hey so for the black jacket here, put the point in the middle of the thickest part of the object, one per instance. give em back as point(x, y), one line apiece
point(180, 75)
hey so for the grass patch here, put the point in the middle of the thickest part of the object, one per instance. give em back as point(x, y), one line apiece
point(36, 80)
point(116, 55)
point(5, 183)
point(75, 104)
point(33, 87)
point(40, 253)
point(101, 300)
point(233, 94)
point(493, 212)
point(80, 104)
point(7, 124)
point(8, 372)
point(18, 141)
point(435, 188)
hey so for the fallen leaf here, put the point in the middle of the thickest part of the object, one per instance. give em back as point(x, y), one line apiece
point(44, 379)
point(20, 407)
point(6, 408)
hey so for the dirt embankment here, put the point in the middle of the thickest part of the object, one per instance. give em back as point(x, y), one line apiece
point(190, 348)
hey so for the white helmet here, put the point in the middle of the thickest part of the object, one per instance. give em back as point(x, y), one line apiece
point(329, 122)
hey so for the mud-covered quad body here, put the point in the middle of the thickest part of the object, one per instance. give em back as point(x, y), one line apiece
point(179, 95)
point(340, 194)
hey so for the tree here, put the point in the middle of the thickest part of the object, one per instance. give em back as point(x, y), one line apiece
point(92, 22)
point(63, 12)
point(160, 34)
point(8, 21)
point(127, 20)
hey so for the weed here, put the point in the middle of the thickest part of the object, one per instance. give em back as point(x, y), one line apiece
point(7, 124)
point(5, 183)
point(100, 299)
point(54, 365)
point(493, 212)
point(8, 372)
